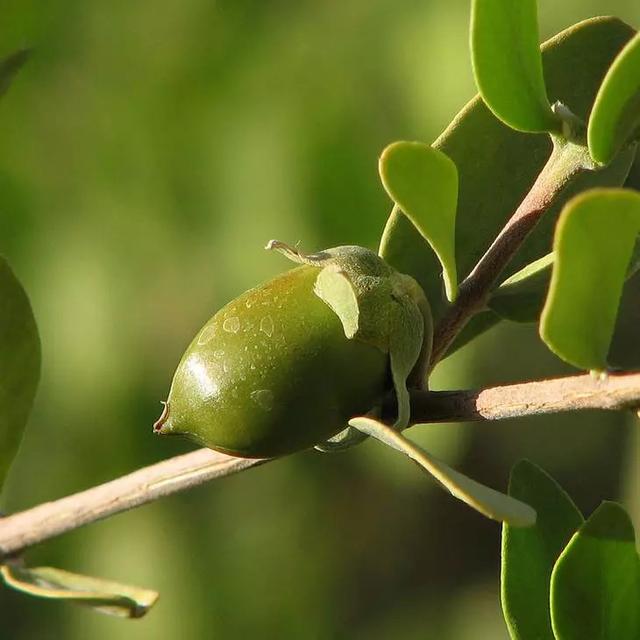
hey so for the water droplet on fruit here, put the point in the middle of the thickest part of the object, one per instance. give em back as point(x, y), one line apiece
point(231, 325)
point(266, 326)
point(264, 398)
point(206, 334)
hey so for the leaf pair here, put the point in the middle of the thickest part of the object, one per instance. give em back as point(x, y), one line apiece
point(508, 69)
point(564, 578)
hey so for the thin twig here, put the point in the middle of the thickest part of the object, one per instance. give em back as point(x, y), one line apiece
point(575, 393)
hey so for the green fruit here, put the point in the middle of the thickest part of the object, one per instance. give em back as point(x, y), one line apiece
point(287, 364)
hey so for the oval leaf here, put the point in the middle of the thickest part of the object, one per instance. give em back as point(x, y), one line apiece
point(595, 585)
point(528, 555)
point(616, 111)
point(19, 363)
point(594, 241)
point(487, 501)
point(104, 596)
point(486, 154)
point(423, 182)
point(507, 64)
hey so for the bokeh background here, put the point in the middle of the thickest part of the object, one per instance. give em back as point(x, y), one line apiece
point(147, 152)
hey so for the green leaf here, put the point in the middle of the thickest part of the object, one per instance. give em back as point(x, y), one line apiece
point(104, 596)
point(497, 166)
point(19, 363)
point(9, 66)
point(594, 241)
point(423, 182)
point(520, 297)
point(595, 586)
point(616, 111)
point(528, 555)
point(487, 501)
point(507, 64)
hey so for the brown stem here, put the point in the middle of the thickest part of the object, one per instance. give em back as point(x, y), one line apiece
point(575, 393)
point(565, 162)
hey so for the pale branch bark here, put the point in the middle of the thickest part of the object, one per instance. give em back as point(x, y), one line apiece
point(566, 161)
point(574, 393)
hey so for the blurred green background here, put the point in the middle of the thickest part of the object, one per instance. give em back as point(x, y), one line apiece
point(147, 153)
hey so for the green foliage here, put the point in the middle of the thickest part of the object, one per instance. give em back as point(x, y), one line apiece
point(616, 110)
point(19, 363)
point(595, 586)
point(507, 64)
point(594, 240)
point(332, 342)
point(492, 187)
point(423, 182)
point(104, 596)
point(528, 555)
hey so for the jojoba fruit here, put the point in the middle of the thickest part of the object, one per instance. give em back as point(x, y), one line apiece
point(285, 366)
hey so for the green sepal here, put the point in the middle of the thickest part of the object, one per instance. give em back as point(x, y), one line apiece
point(507, 64)
point(334, 287)
point(595, 585)
point(487, 501)
point(529, 554)
point(594, 241)
point(104, 596)
point(615, 117)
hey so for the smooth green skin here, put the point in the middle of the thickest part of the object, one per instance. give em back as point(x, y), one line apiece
point(423, 182)
point(9, 66)
point(594, 241)
point(19, 363)
point(497, 166)
point(101, 595)
point(273, 373)
point(528, 555)
point(507, 65)
point(616, 111)
point(487, 501)
point(595, 585)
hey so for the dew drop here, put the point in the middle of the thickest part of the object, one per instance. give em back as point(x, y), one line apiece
point(231, 325)
point(266, 326)
point(264, 398)
point(206, 334)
